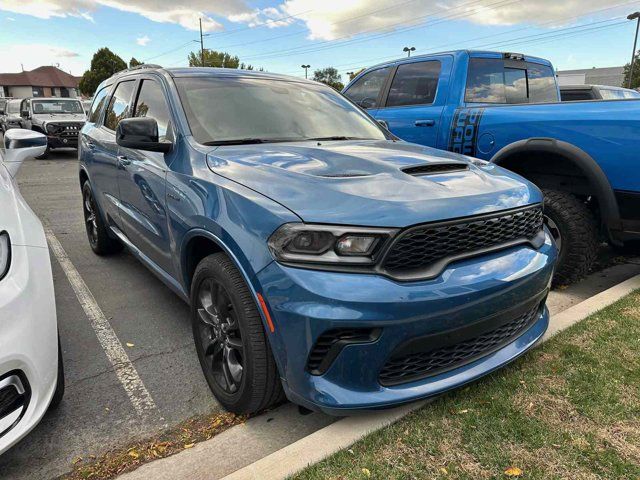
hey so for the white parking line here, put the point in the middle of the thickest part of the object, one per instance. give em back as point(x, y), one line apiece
point(124, 369)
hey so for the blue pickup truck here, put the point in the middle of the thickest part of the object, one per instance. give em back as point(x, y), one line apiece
point(505, 108)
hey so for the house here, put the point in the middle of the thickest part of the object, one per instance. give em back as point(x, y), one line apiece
point(45, 81)
point(612, 76)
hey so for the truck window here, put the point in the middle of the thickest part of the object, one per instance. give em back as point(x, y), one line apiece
point(366, 90)
point(119, 104)
point(414, 84)
point(96, 105)
point(152, 104)
point(490, 81)
point(576, 95)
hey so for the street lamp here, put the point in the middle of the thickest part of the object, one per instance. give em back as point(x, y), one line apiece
point(409, 50)
point(305, 69)
point(633, 16)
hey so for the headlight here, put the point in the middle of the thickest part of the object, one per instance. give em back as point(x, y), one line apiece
point(328, 244)
point(5, 254)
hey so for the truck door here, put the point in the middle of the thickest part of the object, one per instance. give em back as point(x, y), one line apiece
point(413, 105)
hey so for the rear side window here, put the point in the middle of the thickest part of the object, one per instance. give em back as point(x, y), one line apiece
point(97, 105)
point(119, 104)
point(414, 84)
point(491, 81)
point(366, 90)
point(152, 104)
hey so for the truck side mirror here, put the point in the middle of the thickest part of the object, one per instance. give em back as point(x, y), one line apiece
point(24, 113)
point(140, 133)
point(20, 144)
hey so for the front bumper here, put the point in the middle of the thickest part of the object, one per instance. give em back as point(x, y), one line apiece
point(62, 142)
point(306, 303)
point(28, 338)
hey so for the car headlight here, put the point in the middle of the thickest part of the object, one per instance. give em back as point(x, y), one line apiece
point(5, 254)
point(328, 244)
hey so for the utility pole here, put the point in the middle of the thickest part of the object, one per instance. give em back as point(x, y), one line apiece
point(305, 69)
point(633, 16)
point(201, 46)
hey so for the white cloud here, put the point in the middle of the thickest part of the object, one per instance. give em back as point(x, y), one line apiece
point(11, 19)
point(35, 55)
point(143, 41)
point(332, 19)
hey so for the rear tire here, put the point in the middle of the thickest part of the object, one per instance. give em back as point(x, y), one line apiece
point(231, 341)
point(99, 240)
point(578, 232)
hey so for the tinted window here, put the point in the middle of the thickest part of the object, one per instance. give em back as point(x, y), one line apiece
point(576, 95)
point(414, 84)
point(227, 110)
point(119, 104)
point(515, 85)
point(542, 84)
point(97, 105)
point(485, 82)
point(366, 90)
point(152, 104)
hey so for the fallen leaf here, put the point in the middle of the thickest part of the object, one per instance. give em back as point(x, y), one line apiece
point(366, 472)
point(351, 452)
point(129, 344)
point(443, 471)
point(463, 411)
point(76, 460)
point(189, 445)
point(513, 472)
point(133, 454)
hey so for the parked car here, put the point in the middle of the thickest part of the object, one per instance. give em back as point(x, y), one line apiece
point(86, 104)
point(505, 108)
point(10, 115)
point(573, 93)
point(31, 372)
point(322, 258)
point(60, 119)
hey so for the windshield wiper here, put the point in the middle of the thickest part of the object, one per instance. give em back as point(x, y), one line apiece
point(248, 141)
point(334, 137)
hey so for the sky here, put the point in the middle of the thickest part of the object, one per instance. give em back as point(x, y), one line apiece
point(281, 35)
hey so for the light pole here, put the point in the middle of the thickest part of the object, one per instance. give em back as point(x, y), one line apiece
point(633, 16)
point(305, 69)
point(409, 50)
point(201, 46)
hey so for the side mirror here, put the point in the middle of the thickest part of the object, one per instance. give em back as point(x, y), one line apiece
point(140, 133)
point(24, 113)
point(20, 144)
point(384, 124)
point(1, 111)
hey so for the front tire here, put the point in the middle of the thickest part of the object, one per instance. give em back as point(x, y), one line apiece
point(232, 347)
point(575, 230)
point(99, 240)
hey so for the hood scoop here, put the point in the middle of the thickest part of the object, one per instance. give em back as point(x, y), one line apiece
point(435, 168)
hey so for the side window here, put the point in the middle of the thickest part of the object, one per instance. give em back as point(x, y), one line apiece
point(366, 90)
point(151, 103)
point(485, 81)
point(119, 104)
point(542, 84)
point(97, 105)
point(414, 84)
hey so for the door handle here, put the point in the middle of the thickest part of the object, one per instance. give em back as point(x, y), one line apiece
point(123, 161)
point(425, 123)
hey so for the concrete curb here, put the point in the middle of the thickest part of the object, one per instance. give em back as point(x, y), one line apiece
point(343, 433)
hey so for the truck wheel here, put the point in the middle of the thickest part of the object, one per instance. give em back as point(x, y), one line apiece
point(45, 154)
point(99, 240)
point(59, 393)
point(230, 338)
point(575, 231)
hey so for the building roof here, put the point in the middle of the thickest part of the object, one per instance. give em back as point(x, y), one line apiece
point(613, 76)
point(47, 76)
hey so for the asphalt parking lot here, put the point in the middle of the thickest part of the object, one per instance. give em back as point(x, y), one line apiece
point(152, 325)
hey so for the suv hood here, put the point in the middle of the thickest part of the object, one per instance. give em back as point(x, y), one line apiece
point(362, 182)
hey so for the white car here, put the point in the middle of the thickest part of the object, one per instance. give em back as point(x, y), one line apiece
point(31, 374)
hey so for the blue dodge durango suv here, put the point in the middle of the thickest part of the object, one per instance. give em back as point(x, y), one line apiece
point(323, 258)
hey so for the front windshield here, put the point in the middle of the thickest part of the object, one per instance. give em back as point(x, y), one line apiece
point(252, 110)
point(56, 106)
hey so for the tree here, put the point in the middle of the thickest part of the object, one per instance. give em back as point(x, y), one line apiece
point(103, 64)
point(213, 59)
point(134, 62)
point(330, 77)
point(635, 81)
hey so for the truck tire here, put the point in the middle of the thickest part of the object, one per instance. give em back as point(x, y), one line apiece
point(230, 339)
point(574, 228)
point(99, 240)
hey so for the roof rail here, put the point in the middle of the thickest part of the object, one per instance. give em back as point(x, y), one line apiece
point(137, 67)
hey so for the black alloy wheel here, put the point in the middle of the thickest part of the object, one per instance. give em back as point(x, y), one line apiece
point(219, 335)
point(90, 218)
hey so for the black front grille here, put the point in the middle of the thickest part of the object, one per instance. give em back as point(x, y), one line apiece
point(418, 365)
point(10, 400)
point(68, 130)
point(424, 246)
point(330, 343)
